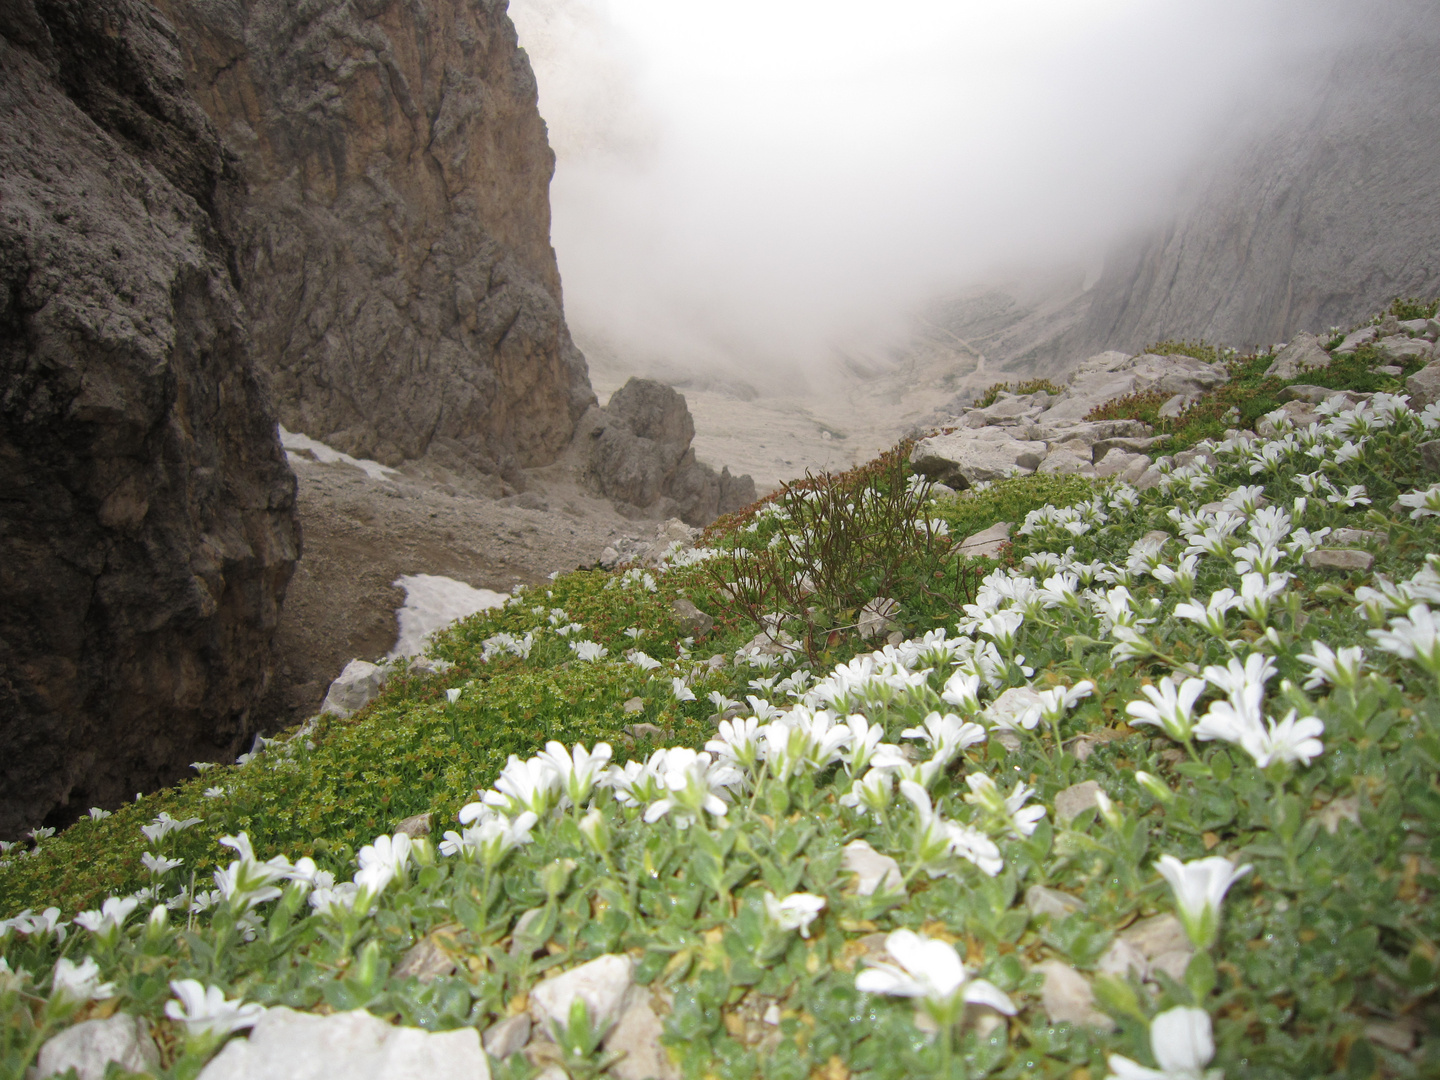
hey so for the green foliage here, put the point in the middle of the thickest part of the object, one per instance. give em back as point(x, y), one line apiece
point(1198, 350)
point(1406, 308)
point(1029, 386)
point(969, 512)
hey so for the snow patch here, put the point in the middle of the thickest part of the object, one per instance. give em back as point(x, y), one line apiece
point(432, 603)
point(295, 443)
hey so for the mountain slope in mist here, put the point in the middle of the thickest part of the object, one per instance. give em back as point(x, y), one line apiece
point(1326, 218)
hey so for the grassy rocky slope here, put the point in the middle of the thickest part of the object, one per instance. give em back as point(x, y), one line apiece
point(999, 763)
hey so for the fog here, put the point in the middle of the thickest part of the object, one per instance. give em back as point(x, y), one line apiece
point(747, 188)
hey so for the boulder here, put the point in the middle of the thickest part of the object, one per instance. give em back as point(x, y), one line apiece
point(873, 871)
point(149, 530)
point(1364, 336)
point(1042, 900)
point(1299, 413)
point(987, 543)
point(1076, 799)
point(961, 461)
point(288, 1045)
point(1403, 348)
point(1067, 997)
point(1339, 559)
point(1430, 455)
point(507, 1037)
point(694, 622)
point(601, 984)
point(640, 457)
point(91, 1045)
point(1304, 353)
point(354, 688)
point(636, 1036)
point(1424, 386)
point(1130, 446)
point(1176, 374)
point(1127, 466)
point(1063, 462)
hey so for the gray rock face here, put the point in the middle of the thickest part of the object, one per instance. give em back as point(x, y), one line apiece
point(90, 1046)
point(149, 529)
point(640, 457)
point(1424, 386)
point(1315, 222)
point(394, 246)
point(1299, 356)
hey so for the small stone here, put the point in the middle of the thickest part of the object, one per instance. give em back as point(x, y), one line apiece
point(1122, 959)
point(1067, 997)
point(1393, 1035)
point(1075, 800)
point(1007, 709)
point(1042, 900)
point(427, 959)
point(634, 705)
point(522, 941)
point(1173, 963)
point(507, 1037)
point(1363, 336)
point(1359, 536)
point(1158, 536)
point(1345, 808)
point(1424, 386)
point(1150, 478)
point(1339, 559)
point(1061, 462)
point(1008, 739)
point(875, 617)
point(354, 688)
point(637, 1035)
point(601, 984)
point(1156, 936)
point(1175, 405)
point(645, 731)
point(1430, 455)
point(1117, 462)
point(289, 1045)
point(694, 622)
point(1312, 395)
point(90, 1046)
point(988, 543)
point(415, 826)
point(872, 869)
point(1387, 369)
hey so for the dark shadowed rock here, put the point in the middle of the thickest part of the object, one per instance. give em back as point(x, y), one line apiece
point(149, 530)
point(640, 457)
point(395, 243)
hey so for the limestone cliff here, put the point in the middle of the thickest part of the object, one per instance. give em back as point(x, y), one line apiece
point(147, 527)
point(1319, 223)
point(394, 245)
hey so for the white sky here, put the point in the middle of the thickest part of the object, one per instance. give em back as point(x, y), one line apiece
point(742, 184)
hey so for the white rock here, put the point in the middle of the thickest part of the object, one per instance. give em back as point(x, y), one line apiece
point(962, 460)
point(987, 543)
point(1122, 959)
point(875, 617)
point(873, 870)
point(601, 984)
point(1304, 353)
point(354, 688)
point(288, 1045)
point(90, 1046)
point(1062, 462)
point(1067, 997)
point(1045, 901)
point(1118, 462)
point(507, 1036)
point(1011, 705)
point(1363, 336)
point(1157, 935)
point(1075, 800)
point(637, 1035)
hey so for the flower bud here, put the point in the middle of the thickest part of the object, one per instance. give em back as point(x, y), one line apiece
point(1157, 788)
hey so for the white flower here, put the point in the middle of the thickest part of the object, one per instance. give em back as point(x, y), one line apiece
point(946, 735)
point(1290, 740)
point(329, 900)
point(202, 766)
point(644, 661)
point(491, 839)
point(589, 650)
point(796, 912)
point(1352, 497)
point(864, 738)
point(1181, 576)
point(873, 791)
point(1342, 668)
point(164, 825)
point(576, 772)
point(931, 971)
point(1240, 680)
point(214, 792)
point(79, 983)
point(637, 783)
point(974, 846)
point(1415, 638)
point(803, 741)
point(962, 689)
point(1010, 810)
point(46, 923)
point(247, 881)
point(382, 861)
point(1182, 1044)
point(97, 814)
point(692, 783)
point(158, 864)
point(1200, 886)
point(106, 922)
point(1212, 615)
point(680, 691)
point(737, 743)
point(207, 1011)
point(1169, 707)
point(1002, 627)
point(309, 876)
point(452, 695)
point(524, 785)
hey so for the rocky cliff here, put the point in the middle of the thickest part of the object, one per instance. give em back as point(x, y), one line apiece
point(1319, 222)
point(148, 526)
point(394, 245)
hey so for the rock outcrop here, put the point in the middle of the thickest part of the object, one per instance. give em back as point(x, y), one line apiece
point(641, 459)
point(394, 245)
point(148, 530)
